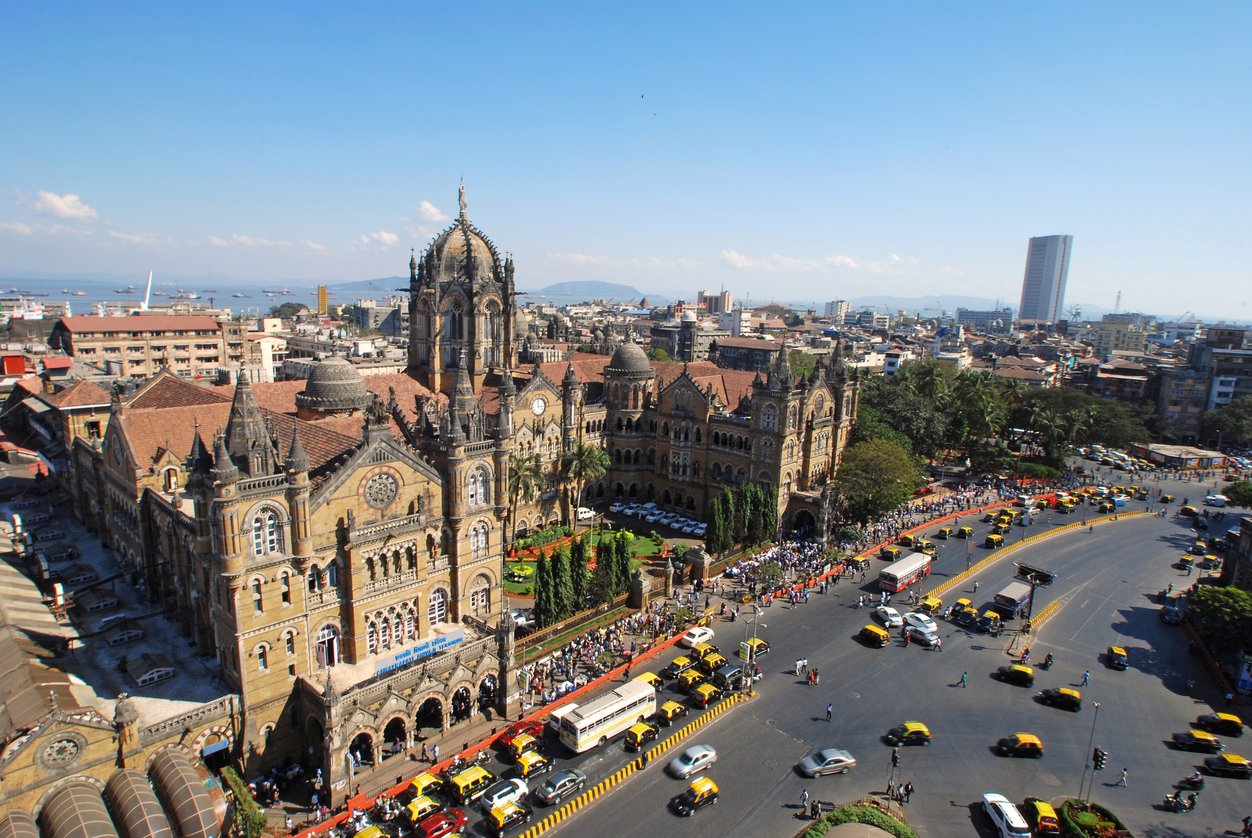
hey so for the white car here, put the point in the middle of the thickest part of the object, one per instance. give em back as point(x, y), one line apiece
point(694, 636)
point(1216, 500)
point(616, 506)
point(696, 758)
point(921, 621)
point(505, 791)
point(889, 616)
point(1008, 822)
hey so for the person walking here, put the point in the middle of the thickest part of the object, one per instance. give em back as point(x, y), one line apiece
point(1121, 781)
point(804, 799)
point(1086, 677)
point(964, 679)
point(938, 644)
point(908, 791)
point(830, 710)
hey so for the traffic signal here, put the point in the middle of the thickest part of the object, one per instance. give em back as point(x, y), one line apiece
point(1099, 758)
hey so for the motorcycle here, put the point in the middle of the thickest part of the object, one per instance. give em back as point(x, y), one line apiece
point(1173, 803)
point(1194, 782)
point(1047, 662)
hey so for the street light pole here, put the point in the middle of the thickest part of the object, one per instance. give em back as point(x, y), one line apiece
point(1090, 743)
point(750, 657)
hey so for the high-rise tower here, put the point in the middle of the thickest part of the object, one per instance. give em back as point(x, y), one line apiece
point(1043, 286)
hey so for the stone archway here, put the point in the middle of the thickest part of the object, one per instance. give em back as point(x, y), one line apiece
point(461, 705)
point(361, 749)
point(395, 737)
point(488, 693)
point(803, 523)
point(429, 715)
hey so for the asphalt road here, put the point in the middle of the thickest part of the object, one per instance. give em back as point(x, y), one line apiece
point(1107, 581)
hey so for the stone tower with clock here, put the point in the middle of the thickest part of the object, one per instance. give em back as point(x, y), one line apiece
point(461, 308)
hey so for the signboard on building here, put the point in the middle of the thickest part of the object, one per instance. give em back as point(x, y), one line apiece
point(422, 650)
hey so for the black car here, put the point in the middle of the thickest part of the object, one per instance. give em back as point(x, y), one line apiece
point(1015, 673)
point(1198, 740)
point(966, 618)
point(559, 786)
point(1062, 697)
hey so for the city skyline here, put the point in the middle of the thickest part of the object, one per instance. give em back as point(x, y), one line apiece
point(826, 152)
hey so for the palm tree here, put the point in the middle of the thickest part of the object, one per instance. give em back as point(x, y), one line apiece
point(525, 481)
point(928, 380)
point(581, 465)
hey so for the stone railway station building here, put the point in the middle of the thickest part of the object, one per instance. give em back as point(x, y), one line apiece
point(336, 545)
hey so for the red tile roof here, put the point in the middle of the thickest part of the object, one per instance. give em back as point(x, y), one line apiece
point(80, 394)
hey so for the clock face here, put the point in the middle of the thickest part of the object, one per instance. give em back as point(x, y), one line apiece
point(381, 490)
point(538, 406)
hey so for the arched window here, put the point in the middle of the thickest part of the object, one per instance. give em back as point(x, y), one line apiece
point(478, 540)
point(289, 641)
point(315, 579)
point(266, 534)
point(478, 487)
point(769, 418)
point(410, 625)
point(438, 611)
point(384, 633)
point(480, 596)
point(793, 417)
point(328, 645)
point(397, 629)
point(371, 638)
point(262, 657)
point(284, 584)
point(257, 604)
point(332, 575)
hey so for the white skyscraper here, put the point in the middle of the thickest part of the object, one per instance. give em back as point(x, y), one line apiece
point(1043, 286)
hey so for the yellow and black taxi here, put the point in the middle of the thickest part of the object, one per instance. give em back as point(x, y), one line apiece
point(925, 545)
point(532, 726)
point(669, 712)
point(907, 540)
point(689, 680)
point(1227, 724)
point(1041, 817)
point(640, 734)
point(1115, 657)
point(507, 816)
point(931, 605)
point(426, 784)
point(989, 517)
point(712, 662)
point(370, 832)
point(965, 532)
point(872, 635)
point(652, 679)
point(421, 806)
point(891, 552)
point(700, 651)
point(944, 532)
point(520, 745)
point(1001, 527)
point(965, 615)
point(1198, 740)
point(991, 623)
point(1016, 673)
point(1199, 548)
point(909, 733)
point(702, 792)
point(1167, 499)
point(704, 695)
point(993, 541)
point(1020, 745)
point(469, 785)
point(1229, 765)
point(1066, 698)
point(1185, 562)
point(1188, 511)
point(753, 648)
point(533, 763)
point(678, 666)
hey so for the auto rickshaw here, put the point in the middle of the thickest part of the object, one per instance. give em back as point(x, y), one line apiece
point(670, 711)
point(944, 533)
point(964, 532)
point(891, 552)
point(930, 605)
point(993, 541)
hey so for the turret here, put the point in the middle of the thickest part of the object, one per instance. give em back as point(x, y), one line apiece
point(508, 395)
point(569, 397)
point(298, 488)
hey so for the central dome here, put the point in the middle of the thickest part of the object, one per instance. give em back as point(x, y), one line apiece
point(629, 359)
point(334, 386)
point(462, 253)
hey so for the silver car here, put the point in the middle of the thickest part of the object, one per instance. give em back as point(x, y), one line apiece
point(827, 761)
point(694, 759)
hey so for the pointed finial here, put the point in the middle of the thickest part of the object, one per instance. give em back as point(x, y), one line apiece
point(461, 200)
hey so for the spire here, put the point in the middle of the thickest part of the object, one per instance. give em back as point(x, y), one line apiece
point(462, 388)
point(248, 436)
point(199, 459)
point(780, 376)
point(571, 378)
point(507, 387)
point(224, 470)
point(297, 460)
point(412, 267)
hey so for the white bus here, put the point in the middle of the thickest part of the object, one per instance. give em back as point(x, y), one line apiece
point(905, 571)
point(599, 720)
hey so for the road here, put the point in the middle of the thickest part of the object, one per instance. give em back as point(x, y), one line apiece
point(1107, 581)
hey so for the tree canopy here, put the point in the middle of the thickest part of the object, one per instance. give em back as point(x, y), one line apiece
point(876, 476)
point(1222, 616)
point(1232, 423)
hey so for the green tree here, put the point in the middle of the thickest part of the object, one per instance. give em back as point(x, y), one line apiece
point(769, 513)
point(754, 502)
point(1240, 493)
point(801, 363)
point(870, 424)
point(1222, 616)
point(602, 577)
point(581, 465)
point(287, 310)
point(542, 611)
point(734, 521)
point(715, 533)
point(579, 574)
point(875, 478)
point(1232, 423)
point(621, 564)
point(894, 402)
point(561, 584)
point(525, 479)
point(657, 354)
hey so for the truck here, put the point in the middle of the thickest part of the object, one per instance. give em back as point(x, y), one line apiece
point(1013, 599)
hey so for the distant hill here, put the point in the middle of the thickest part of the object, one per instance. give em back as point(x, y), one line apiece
point(588, 290)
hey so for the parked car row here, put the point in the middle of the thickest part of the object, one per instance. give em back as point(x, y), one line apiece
point(653, 514)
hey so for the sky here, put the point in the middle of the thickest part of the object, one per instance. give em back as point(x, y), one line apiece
point(790, 152)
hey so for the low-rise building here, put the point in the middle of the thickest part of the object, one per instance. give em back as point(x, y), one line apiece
point(140, 345)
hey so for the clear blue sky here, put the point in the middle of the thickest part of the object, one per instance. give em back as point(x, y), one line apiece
point(788, 151)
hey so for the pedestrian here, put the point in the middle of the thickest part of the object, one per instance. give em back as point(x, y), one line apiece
point(434, 753)
point(938, 644)
point(964, 679)
point(1121, 781)
point(975, 586)
point(1086, 677)
point(425, 753)
point(908, 791)
point(797, 667)
point(830, 710)
point(900, 792)
point(804, 799)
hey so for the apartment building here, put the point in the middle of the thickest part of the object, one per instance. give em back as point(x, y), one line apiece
point(139, 345)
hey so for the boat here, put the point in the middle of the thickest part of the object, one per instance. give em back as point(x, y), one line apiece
point(129, 289)
point(78, 293)
point(241, 296)
point(208, 290)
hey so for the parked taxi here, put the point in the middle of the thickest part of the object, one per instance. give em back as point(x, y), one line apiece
point(704, 695)
point(670, 711)
point(640, 734)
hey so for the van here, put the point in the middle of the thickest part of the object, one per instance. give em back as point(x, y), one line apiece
point(585, 514)
point(874, 635)
point(729, 677)
point(470, 784)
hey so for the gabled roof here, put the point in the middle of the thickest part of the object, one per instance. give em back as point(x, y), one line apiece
point(80, 394)
point(728, 385)
point(168, 390)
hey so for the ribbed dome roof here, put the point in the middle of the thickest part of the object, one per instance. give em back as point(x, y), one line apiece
point(629, 358)
point(334, 386)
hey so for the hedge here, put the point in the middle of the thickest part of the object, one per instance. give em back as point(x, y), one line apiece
point(1038, 470)
point(1089, 820)
point(249, 820)
point(859, 814)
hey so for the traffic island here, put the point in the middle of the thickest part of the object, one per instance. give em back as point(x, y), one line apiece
point(869, 811)
point(1089, 820)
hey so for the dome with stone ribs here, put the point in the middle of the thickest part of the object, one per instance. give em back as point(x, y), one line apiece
point(334, 386)
point(629, 359)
